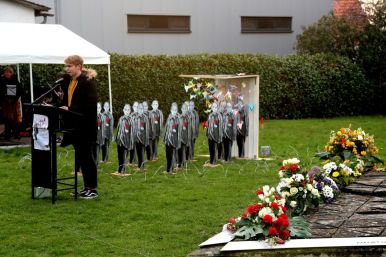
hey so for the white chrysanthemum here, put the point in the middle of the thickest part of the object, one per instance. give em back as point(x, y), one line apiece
point(293, 204)
point(330, 167)
point(293, 190)
point(282, 201)
point(264, 211)
point(300, 189)
point(346, 168)
point(290, 161)
point(297, 177)
point(328, 192)
point(261, 197)
point(360, 137)
point(281, 174)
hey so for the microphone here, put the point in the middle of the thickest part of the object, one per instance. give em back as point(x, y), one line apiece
point(58, 81)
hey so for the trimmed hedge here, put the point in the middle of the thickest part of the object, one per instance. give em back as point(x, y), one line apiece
point(293, 87)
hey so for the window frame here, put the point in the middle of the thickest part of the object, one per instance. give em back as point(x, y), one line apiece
point(148, 19)
point(267, 30)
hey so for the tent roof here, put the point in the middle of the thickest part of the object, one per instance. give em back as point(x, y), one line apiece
point(45, 43)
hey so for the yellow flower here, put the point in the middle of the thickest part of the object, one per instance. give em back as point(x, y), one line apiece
point(354, 151)
point(374, 150)
point(346, 162)
point(339, 133)
point(363, 153)
point(335, 174)
point(343, 130)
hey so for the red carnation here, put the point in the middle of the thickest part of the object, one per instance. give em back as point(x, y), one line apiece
point(127, 125)
point(282, 222)
point(253, 208)
point(284, 216)
point(277, 197)
point(205, 124)
point(272, 231)
point(284, 234)
point(245, 214)
point(274, 205)
point(184, 123)
point(293, 167)
point(282, 168)
point(267, 218)
point(174, 126)
point(216, 122)
point(232, 221)
point(259, 192)
point(283, 208)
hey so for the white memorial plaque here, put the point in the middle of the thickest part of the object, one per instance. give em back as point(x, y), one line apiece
point(40, 133)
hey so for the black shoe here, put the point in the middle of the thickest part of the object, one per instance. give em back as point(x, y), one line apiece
point(90, 194)
point(81, 192)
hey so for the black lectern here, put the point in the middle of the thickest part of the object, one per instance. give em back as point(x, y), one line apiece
point(45, 125)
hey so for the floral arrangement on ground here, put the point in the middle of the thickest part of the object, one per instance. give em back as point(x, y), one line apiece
point(277, 216)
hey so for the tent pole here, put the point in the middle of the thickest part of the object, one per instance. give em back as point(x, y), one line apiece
point(18, 72)
point(31, 81)
point(110, 97)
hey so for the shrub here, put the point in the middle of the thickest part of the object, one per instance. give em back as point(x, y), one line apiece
point(294, 86)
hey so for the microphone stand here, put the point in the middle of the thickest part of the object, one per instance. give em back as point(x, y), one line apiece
point(46, 93)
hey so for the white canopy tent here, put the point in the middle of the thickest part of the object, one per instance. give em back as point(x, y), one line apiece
point(46, 44)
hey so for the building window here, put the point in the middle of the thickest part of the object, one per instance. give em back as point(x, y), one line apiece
point(266, 24)
point(158, 24)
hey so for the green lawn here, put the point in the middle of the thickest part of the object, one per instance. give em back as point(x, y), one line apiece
point(152, 214)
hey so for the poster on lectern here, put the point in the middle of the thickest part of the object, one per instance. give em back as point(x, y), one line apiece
point(40, 133)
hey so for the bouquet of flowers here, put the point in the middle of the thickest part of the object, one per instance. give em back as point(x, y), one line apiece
point(326, 186)
point(352, 145)
point(296, 187)
point(341, 173)
point(289, 167)
point(267, 219)
point(299, 193)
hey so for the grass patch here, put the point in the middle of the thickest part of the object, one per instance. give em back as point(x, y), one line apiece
point(149, 213)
